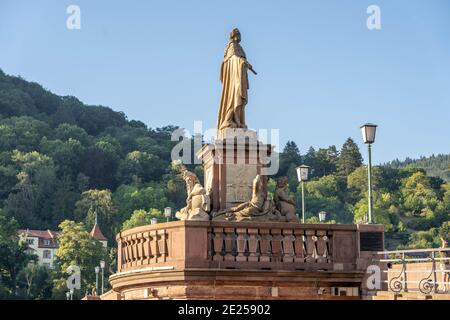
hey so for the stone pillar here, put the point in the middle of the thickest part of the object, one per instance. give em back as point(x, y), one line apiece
point(230, 164)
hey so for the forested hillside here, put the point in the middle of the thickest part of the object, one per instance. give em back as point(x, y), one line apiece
point(61, 161)
point(436, 165)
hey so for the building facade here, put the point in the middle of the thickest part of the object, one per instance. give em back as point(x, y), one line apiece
point(44, 243)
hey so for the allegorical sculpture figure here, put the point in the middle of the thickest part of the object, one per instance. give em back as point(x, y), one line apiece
point(284, 203)
point(197, 202)
point(259, 208)
point(233, 75)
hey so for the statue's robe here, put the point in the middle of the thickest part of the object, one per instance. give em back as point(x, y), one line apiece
point(233, 75)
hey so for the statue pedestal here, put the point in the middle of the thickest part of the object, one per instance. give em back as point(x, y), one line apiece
point(230, 164)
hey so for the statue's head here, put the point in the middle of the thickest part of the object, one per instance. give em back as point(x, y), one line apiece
point(235, 35)
point(282, 182)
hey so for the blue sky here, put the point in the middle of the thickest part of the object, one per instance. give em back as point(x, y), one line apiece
point(321, 72)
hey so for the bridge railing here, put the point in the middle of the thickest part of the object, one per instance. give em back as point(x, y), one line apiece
point(422, 270)
point(242, 245)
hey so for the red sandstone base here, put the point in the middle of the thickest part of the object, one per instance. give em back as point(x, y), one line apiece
point(236, 260)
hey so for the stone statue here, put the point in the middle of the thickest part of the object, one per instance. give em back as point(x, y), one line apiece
point(259, 208)
point(198, 203)
point(233, 75)
point(283, 202)
point(189, 177)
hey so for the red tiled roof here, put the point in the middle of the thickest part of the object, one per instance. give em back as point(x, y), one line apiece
point(43, 234)
point(97, 233)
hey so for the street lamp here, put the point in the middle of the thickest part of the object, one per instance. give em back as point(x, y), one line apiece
point(302, 175)
point(368, 131)
point(97, 270)
point(102, 266)
point(168, 213)
point(322, 216)
point(153, 221)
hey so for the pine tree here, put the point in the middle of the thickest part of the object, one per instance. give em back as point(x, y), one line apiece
point(289, 156)
point(350, 158)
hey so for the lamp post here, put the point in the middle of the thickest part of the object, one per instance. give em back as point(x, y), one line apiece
point(102, 266)
point(368, 131)
point(153, 221)
point(302, 175)
point(97, 270)
point(168, 213)
point(322, 216)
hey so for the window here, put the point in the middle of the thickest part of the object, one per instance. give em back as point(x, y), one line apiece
point(46, 242)
point(47, 254)
point(30, 241)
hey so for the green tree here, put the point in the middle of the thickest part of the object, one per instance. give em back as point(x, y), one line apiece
point(326, 161)
point(100, 163)
point(13, 256)
point(30, 204)
point(349, 159)
point(322, 194)
point(289, 157)
point(66, 155)
point(418, 195)
point(77, 247)
point(22, 133)
point(140, 166)
point(130, 198)
point(444, 231)
point(66, 131)
point(141, 218)
point(98, 202)
point(357, 183)
point(35, 282)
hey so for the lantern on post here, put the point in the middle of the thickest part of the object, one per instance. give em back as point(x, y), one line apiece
point(302, 175)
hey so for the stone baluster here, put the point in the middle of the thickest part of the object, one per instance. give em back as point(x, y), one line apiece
point(126, 255)
point(218, 242)
point(154, 246)
point(241, 243)
point(162, 245)
point(321, 246)
point(253, 245)
point(330, 246)
point(277, 250)
point(123, 245)
point(157, 246)
point(147, 249)
point(119, 253)
point(310, 246)
point(139, 249)
point(264, 244)
point(230, 245)
point(133, 250)
point(210, 245)
point(288, 246)
point(299, 245)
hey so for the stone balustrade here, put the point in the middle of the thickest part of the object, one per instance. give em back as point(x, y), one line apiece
point(239, 245)
point(296, 247)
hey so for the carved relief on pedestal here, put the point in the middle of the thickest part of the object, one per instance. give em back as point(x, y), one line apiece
point(239, 178)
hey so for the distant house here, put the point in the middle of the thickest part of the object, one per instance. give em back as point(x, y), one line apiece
point(97, 234)
point(44, 243)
